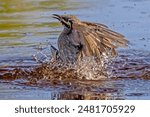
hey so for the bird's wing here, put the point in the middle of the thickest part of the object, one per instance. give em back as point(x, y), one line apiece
point(94, 24)
point(98, 38)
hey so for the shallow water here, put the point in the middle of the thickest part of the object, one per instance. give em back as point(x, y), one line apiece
point(27, 28)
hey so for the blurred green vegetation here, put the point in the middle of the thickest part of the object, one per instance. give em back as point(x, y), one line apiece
point(19, 17)
point(11, 6)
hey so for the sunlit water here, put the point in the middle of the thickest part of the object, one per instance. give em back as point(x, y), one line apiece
point(27, 28)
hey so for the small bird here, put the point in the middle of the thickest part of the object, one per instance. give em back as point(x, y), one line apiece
point(81, 39)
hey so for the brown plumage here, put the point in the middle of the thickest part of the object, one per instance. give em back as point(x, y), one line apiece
point(80, 39)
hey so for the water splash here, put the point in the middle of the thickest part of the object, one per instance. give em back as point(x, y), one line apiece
point(112, 79)
point(55, 72)
point(88, 68)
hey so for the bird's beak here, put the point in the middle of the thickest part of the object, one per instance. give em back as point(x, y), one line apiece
point(57, 16)
point(62, 20)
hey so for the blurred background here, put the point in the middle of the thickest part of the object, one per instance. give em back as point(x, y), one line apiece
point(27, 24)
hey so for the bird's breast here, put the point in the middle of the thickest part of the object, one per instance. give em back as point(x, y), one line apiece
point(68, 46)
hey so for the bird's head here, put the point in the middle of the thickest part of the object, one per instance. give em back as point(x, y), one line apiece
point(66, 20)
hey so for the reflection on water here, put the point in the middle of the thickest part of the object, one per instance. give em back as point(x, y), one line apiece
point(26, 28)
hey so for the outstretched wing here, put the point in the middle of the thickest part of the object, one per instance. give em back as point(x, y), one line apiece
point(98, 38)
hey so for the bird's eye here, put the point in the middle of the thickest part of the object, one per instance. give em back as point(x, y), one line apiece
point(66, 19)
point(70, 20)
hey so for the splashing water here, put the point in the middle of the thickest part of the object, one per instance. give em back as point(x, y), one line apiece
point(109, 79)
point(87, 68)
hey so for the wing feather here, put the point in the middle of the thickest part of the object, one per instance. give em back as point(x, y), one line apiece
point(98, 38)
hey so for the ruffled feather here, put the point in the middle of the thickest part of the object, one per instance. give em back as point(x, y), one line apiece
point(98, 39)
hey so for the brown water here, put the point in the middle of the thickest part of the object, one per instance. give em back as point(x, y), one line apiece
point(27, 28)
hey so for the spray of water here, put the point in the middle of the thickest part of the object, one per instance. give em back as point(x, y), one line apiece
point(88, 68)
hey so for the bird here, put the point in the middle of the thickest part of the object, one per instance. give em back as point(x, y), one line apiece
point(80, 39)
point(54, 53)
